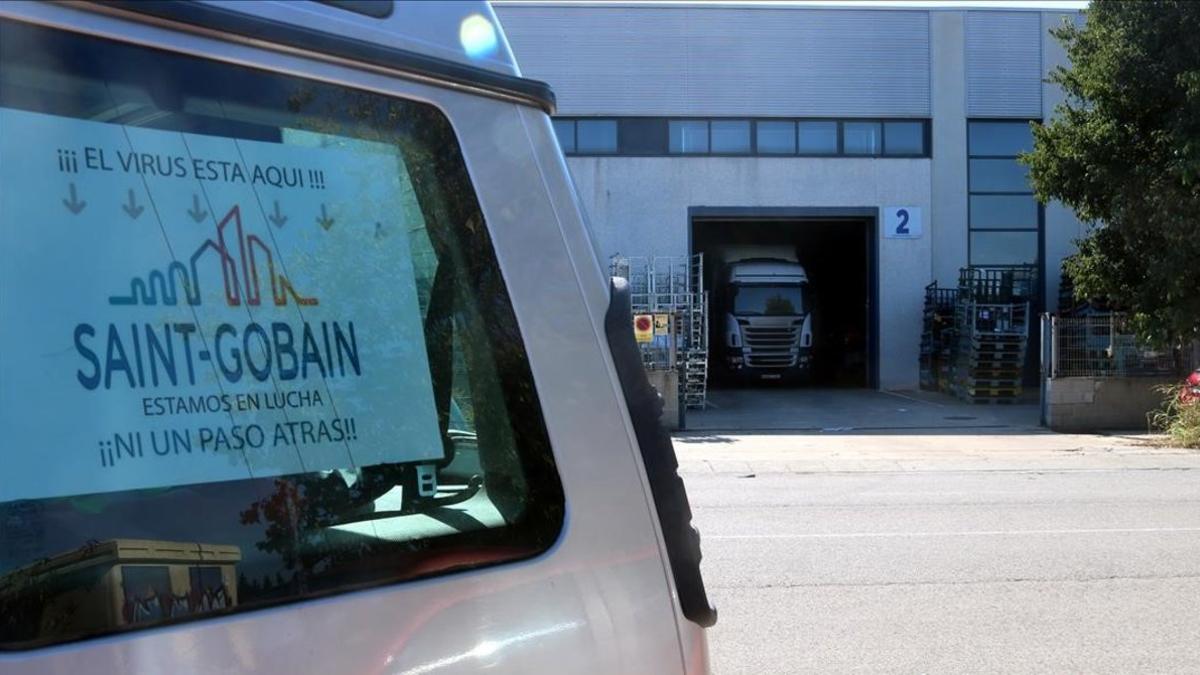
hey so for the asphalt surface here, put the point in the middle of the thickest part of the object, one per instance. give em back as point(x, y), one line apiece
point(831, 410)
point(933, 568)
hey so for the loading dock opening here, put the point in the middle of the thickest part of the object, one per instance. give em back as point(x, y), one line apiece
point(837, 250)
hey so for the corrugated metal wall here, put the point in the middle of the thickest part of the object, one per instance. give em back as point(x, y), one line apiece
point(1004, 64)
point(664, 61)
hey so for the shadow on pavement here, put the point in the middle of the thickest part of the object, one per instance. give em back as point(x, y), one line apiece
point(852, 411)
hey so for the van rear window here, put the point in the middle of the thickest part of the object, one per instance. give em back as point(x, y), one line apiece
point(255, 346)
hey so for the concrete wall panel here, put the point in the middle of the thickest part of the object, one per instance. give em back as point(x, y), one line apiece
point(949, 222)
point(646, 60)
point(1091, 404)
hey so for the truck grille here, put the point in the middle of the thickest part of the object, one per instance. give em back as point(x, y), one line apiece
point(770, 346)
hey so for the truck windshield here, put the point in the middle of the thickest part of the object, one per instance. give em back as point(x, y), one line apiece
point(769, 300)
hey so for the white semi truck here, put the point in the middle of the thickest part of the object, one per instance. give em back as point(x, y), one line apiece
point(768, 316)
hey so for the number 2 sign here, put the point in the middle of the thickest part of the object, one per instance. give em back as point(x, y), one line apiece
point(902, 222)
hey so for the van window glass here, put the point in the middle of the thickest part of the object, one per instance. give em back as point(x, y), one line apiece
point(148, 593)
point(255, 340)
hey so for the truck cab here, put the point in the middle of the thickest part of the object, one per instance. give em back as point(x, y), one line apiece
point(768, 319)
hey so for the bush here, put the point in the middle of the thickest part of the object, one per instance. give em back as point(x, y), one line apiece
point(1180, 420)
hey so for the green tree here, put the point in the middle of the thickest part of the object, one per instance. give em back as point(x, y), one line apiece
point(1124, 152)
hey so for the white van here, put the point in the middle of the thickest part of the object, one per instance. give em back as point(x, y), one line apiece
point(307, 364)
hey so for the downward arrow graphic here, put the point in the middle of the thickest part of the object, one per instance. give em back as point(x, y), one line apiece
point(325, 221)
point(277, 219)
point(198, 214)
point(132, 208)
point(74, 204)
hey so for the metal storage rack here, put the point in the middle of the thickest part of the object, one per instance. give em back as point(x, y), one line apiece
point(975, 338)
point(674, 286)
point(992, 320)
point(938, 337)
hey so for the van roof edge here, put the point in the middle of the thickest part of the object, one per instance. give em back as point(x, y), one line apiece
point(270, 33)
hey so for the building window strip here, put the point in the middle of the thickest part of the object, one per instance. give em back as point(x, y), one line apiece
point(726, 137)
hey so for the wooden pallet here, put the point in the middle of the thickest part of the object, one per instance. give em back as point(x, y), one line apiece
point(994, 374)
point(985, 400)
point(996, 346)
point(994, 392)
point(993, 383)
point(998, 360)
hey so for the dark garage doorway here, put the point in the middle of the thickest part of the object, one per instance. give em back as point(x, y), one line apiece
point(838, 251)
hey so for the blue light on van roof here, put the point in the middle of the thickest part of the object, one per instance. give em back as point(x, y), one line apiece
point(478, 36)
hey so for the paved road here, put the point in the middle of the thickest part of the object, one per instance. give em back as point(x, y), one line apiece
point(951, 570)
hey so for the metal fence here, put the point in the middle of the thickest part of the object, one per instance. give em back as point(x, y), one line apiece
point(1106, 346)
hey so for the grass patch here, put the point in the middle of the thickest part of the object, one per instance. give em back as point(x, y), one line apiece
point(1179, 420)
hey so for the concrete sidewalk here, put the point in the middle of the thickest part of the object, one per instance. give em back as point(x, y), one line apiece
point(1016, 450)
point(814, 430)
point(823, 410)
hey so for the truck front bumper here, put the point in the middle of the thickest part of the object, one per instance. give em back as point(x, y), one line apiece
point(745, 369)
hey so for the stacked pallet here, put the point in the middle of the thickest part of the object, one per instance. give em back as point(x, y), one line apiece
point(990, 361)
point(992, 320)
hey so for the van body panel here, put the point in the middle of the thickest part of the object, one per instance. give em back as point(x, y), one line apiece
point(433, 28)
point(591, 271)
point(598, 601)
point(594, 283)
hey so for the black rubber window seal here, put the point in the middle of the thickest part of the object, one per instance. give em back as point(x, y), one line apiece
point(658, 455)
point(376, 9)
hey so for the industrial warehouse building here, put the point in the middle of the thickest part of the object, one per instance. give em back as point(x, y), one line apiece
point(880, 143)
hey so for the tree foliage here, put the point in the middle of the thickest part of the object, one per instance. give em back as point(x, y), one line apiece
point(1123, 151)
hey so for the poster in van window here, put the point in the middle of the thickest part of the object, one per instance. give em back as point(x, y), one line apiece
point(179, 308)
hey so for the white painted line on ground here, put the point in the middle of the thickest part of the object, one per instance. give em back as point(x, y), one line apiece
point(913, 398)
point(968, 533)
point(944, 493)
point(769, 468)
